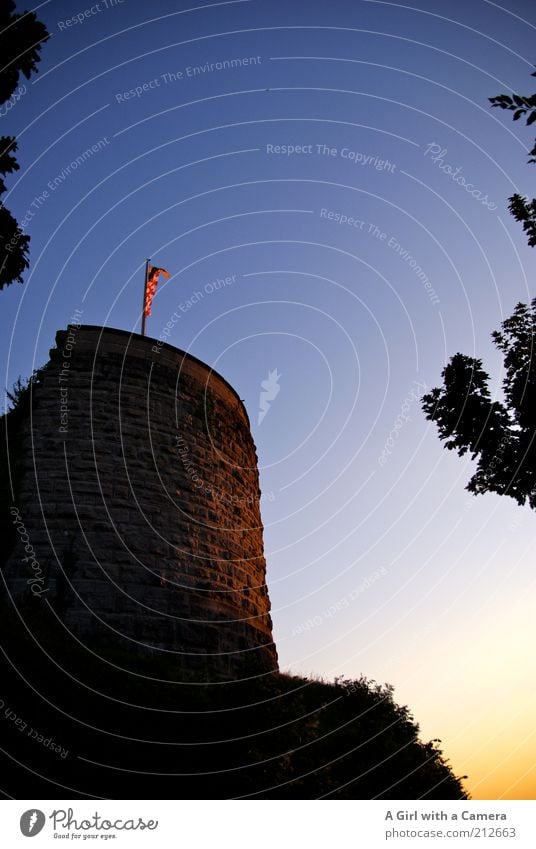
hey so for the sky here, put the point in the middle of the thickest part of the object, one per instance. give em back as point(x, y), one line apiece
point(285, 162)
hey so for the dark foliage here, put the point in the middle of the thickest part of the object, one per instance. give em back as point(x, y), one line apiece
point(21, 37)
point(132, 731)
point(524, 211)
point(502, 436)
point(14, 245)
point(520, 207)
point(8, 163)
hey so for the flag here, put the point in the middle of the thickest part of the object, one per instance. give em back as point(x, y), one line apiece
point(150, 288)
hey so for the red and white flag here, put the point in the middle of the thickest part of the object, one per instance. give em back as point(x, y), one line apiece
point(150, 287)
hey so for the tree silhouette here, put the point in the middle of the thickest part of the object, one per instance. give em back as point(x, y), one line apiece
point(520, 207)
point(501, 435)
point(21, 37)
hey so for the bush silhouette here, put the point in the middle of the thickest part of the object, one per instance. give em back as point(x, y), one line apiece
point(132, 731)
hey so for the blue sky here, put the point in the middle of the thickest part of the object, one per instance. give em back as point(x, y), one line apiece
point(430, 586)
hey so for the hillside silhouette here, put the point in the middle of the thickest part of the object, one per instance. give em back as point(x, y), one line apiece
point(117, 726)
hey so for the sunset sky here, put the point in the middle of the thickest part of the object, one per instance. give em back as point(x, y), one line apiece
point(296, 151)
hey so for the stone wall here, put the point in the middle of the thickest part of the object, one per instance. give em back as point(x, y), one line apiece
point(140, 497)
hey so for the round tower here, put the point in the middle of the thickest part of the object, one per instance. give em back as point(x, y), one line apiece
point(140, 499)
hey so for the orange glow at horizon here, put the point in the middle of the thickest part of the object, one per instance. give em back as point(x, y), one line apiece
point(488, 725)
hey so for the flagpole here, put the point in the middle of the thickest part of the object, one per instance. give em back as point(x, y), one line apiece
point(144, 297)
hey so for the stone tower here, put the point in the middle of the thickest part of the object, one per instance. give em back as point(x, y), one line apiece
point(141, 501)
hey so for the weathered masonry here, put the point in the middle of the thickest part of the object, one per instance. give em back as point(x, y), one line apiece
point(140, 497)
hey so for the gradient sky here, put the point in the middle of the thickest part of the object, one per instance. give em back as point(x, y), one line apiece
point(391, 570)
